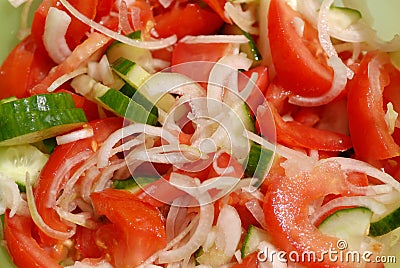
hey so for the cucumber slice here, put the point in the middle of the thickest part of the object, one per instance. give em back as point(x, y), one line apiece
point(240, 108)
point(343, 17)
point(131, 72)
point(350, 224)
point(22, 128)
point(385, 225)
point(254, 236)
point(134, 75)
point(136, 96)
point(211, 258)
point(113, 100)
point(16, 161)
point(41, 102)
point(122, 105)
point(257, 162)
point(134, 185)
point(252, 47)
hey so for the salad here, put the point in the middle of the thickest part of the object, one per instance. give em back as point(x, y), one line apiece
point(174, 133)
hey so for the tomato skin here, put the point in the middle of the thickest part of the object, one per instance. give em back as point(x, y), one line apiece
point(23, 67)
point(188, 20)
point(140, 230)
point(297, 69)
point(186, 52)
point(286, 206)
point(102, 128)
point(368, 127)
point(295, 134)
point(23, 248)
point(218, 7)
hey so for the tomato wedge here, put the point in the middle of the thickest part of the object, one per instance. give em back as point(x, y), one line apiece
point(186, 52)
point(295, 59)
point(136, 230)
point(188, 20)
point(24, 249)
point(23, 68)
point(295, 134)
point(368, 129)
point(286, 206)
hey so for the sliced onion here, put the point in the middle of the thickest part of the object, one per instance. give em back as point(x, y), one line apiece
point(68, 189)
point(62, 173)
point(206, 217)
point(155, 44)
point(57, 22)
point(81, 219)
point(101, 71)
point(205, 39)
point(104, 181)
point(229, 231)
point(37, 219)
point(257, 211)
point(243, 19)
point(85, 132)
point(66, 77)
point(124, 24)
point(10, 198)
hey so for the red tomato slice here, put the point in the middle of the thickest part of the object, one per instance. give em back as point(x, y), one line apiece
point(23, 67)
point(218, 7)
point(23, 248)
point(188, 20)
point(294, 57)
point(286, 206)
point(138, 229)
point(368, 128)
point(102, 129)
point(295, 134)
point(184, 52)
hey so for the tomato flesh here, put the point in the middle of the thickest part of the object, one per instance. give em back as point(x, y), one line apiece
point(368, 128)
point(297, 68)
point(136, 230)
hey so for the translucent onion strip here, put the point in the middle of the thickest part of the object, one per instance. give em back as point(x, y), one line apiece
point(66, 77)
point(203, 227)
point(205, 39)
point(323, 33)
point(155, 44)
point(56, 25)
point(37, 219)
point(85, 132)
